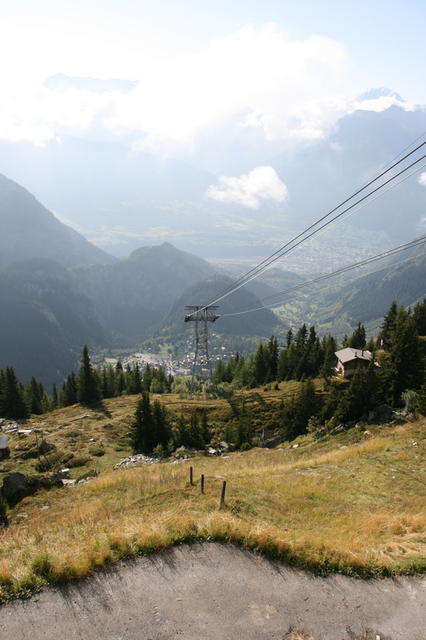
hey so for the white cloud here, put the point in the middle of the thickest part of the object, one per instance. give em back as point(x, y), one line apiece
point(250, 189)
point(382, 103)
point(422, 179)
point(256, 76)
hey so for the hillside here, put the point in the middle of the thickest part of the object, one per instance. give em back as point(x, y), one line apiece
point(44, 321)
point(262, 323)
point(133, 296)
point(351, 502)
point(341, 303)
point(28, 230)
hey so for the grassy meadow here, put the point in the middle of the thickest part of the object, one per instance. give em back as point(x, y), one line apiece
point(352, 503)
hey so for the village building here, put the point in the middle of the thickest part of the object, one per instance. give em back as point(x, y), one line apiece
point(349, 359)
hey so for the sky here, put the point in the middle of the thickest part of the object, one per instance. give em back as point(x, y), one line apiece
point(384, 39)
point(287, 69)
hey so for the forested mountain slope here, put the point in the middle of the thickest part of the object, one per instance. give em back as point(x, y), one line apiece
point(28, 230)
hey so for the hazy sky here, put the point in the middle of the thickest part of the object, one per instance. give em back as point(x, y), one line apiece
point(286, 68)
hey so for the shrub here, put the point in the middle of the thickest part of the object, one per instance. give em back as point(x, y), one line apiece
point(410, 399)
point(97, 451)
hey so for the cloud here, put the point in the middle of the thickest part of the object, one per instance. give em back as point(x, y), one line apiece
point(255, 74)
point(255, 77)
point(422, 179)
point(250, 189)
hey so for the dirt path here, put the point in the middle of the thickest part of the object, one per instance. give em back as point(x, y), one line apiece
point(216, 592)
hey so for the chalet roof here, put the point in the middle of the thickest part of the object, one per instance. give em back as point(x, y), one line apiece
point(348, 354)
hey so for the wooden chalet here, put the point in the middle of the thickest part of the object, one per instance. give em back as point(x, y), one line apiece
point(349, 359)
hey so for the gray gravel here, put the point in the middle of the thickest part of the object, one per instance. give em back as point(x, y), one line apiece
point(217, 592)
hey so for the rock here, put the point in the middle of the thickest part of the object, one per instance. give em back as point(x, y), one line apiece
point(380, 415)
point(294, 446)
point(320, 433)
point(45, 446)
point(67, 482)
point(17, 486)
point(24, 432)
point(132, 461)
point(92, 473)
point(272, 441)
point(22, 515)
point(223, 445)
point(211, 452)
point(339, 429)
point(64, 473)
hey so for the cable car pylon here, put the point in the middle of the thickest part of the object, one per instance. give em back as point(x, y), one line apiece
point(200, 315)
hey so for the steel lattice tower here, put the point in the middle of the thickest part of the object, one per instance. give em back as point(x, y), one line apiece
point(200, 316)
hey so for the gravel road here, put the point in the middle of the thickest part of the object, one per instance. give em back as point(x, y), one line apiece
point(217, 592)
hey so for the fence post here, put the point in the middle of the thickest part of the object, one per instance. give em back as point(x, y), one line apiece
point(202, 483)
point(222, 495)
point(191, 475)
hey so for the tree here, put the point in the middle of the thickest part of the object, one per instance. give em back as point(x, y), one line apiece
point(69, 390)
point(143, 429)
point(297, 413)
point(388, 326)
point(88, 384)
point(358, 338)
point(12, 401)
point(404, 368)
point(273, 357)
point(329, 357)
point(35, 397)
point(261, 364)
point(419, 317)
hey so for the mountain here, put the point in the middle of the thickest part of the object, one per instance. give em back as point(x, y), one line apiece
point(45, 321)
point(344, 301)
point(61, 82)
point(28, 230)
point(133, 296)
point(125, 196)
point(368, 298)
point(260, 323)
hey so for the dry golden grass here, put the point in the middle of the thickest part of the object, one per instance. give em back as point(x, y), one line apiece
point(353, 504)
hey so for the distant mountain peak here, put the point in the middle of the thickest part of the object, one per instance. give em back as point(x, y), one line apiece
point(380, 92)
point(61, 81)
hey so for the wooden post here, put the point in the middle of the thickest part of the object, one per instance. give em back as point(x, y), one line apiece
point(202, 483)
point(191, 475)
point(222, 495)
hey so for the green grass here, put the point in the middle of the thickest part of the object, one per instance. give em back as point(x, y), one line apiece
point(353, 503)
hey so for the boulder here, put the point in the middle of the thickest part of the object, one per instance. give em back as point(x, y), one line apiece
point(381, 415)
point(17, 486)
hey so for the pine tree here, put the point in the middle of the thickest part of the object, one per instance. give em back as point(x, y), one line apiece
point(143, 430)
point(88, 384)
point(405, 367)
point(304, 406)
point(261, 364)
point(358, 338)
point(388, 326)
point(329, 358)
point(55, 398)
point(161, 427)
point(273, 358)
point(419, 317)
point(12, 401)
point(69, 390)
point(35, 397)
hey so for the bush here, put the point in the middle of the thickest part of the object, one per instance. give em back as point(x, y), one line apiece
point(410, 400)
point(97, 451)
point(78, 461)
